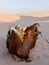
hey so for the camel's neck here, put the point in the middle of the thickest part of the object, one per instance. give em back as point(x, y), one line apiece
point(28, 43)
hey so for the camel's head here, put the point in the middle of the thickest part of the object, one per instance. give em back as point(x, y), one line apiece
point(36, 28)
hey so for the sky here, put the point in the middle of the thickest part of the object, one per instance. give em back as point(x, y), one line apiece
point(23, 6)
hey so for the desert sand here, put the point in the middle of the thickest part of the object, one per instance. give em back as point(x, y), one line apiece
point(4, 17)
point(38, 14)
point(39, 55)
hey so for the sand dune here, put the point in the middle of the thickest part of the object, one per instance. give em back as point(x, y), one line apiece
point(38, 14)
point(4, 17)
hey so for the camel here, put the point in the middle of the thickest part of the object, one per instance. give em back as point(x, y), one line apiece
point(22, 48)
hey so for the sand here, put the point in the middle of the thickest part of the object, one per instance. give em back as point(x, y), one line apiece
point(4, 17)
point(38, 14)
point(40, 53)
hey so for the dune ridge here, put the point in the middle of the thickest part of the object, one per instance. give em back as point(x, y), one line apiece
point(38, 14)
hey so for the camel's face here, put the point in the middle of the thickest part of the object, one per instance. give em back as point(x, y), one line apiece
point(36, 25)
point(36, 28)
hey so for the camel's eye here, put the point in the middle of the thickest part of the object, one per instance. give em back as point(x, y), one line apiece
point(35, 30)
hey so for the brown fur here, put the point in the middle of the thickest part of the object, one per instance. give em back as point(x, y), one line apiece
point(15, 41)
point(22, 48)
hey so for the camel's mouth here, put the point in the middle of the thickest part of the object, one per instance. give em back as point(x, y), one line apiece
point(38, 31)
